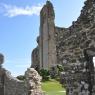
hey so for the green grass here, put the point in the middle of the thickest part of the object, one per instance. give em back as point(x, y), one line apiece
point(53, 87)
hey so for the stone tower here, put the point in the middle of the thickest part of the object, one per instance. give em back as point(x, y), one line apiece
point(47, 48)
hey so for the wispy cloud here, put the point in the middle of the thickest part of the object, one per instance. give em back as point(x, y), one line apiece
point(12, 11)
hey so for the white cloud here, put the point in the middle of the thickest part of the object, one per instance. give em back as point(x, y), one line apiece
point(12, 11)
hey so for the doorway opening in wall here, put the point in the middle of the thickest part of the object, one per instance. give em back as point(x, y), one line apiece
point(94, 62)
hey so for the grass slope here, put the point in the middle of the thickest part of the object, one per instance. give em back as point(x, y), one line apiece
point(53, 87)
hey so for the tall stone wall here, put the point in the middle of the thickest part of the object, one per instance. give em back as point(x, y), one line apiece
point(75, 51)
point(78, 36)
point(46, 43)
point(48, 52)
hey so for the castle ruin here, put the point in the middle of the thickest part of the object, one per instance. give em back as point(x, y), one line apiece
point(72, 47)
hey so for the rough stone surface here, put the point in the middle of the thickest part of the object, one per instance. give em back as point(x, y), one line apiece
point(46, 39)
point(75, 49)
point(35, 59)
point(8, 84)
point(12, 86)
point(33, 82)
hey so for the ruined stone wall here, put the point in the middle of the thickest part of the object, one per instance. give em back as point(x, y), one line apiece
point(35, 58)
point(9, 85)
point(72, 43)
point(33, 82)
point(13, 86)
point(79, 36)
point(75, 49)
point(30, 86)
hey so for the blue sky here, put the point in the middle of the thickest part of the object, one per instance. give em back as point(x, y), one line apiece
point(19, 28)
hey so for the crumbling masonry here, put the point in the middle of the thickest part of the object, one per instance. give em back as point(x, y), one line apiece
point(12, 86)
point(73, 47)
